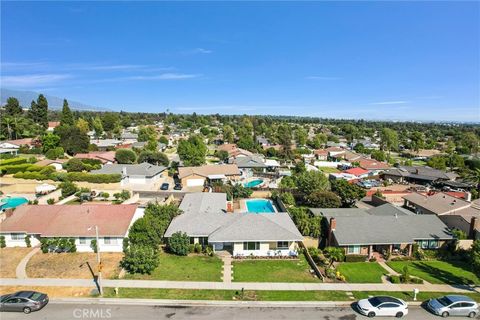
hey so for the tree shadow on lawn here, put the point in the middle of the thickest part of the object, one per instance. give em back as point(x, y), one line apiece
point(443, 275)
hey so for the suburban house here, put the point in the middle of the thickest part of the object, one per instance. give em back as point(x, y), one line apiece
point(67, 221)
point(105, 157)
point(206, 220)
point(382, 229)
point(12, 146)
point(57, 163)
point(455, 212)
point(52, 125)
point(104, 144)
point(142, 173)
point(197, 176)
point(418, 175)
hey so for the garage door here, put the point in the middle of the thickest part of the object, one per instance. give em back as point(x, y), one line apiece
point(195, 182)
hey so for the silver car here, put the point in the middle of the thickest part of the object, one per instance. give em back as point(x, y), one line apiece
point(453, 305)
point(23, 301)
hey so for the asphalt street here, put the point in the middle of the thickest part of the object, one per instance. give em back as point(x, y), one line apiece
point(60, 311)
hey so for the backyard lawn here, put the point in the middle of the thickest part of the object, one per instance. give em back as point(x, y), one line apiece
point(272, 271)
point(72, 265)
point(250, 295)
point(438, 271)
point(361, 272)
point(181, 268)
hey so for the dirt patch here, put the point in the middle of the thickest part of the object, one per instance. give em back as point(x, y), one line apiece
point(9, 259)
point(53, 292)
point(72, 265)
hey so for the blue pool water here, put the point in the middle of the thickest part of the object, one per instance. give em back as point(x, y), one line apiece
point(253, 183)
point(12, 202)
point(260, 206)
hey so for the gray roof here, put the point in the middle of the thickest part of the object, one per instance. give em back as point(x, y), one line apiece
point(372, 229)
point(249, 162)
point(204, 214)
point(142, 169)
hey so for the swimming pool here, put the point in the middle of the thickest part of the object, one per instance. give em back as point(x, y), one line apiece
point(12, 202)
point(253, 183)
point(260, 206)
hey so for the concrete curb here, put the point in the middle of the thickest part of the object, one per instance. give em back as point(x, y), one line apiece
point(208, 303)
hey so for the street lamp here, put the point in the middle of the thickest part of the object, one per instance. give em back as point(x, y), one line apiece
point(99, 262)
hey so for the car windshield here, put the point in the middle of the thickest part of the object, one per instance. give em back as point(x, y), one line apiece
point(444, 301)
point(374, 301)
point(35, 296)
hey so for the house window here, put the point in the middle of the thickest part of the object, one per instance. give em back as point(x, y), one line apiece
point(433, 244)
point(18, 236)
point(109, 240)
point(251, 246)
point(282, 245)
point(353, 250)
point(82, 240)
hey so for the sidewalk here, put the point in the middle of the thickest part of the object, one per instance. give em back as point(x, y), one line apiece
point(277, 286)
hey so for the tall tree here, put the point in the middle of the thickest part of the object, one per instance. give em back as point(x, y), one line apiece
point(12, 108)
point(42, 111)
point(66, 118)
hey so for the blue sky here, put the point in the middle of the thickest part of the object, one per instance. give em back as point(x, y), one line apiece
point(373, 60)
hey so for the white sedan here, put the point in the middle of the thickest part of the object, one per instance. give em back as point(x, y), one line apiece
point(382, 306)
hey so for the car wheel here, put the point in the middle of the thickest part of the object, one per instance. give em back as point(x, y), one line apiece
point(399, 314)
point(371, 314)
point(445, 314)
point(27, 310)
point(472, 314)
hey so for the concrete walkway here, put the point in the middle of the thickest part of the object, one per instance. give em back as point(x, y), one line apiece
point(21, 270)
point(389, 270)
point(275, 286)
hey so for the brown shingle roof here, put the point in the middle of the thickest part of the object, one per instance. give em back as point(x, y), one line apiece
point(206, 170)
point(70, 220)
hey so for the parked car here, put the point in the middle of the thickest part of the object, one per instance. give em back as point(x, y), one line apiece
point(453, 305)
point(178, 186)
point(23, 301)
point(382, 306)
point(164, 186)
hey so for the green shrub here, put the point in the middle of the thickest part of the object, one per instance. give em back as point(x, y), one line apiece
point(178, 243)
point(355, 258)
point(12, 161)
point(3, 244)
point(27, 241)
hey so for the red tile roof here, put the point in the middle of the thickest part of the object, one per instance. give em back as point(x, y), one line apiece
point(104, 156)
point(356, 171)
point(70, 220)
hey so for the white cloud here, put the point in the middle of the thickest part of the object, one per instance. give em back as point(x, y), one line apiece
point(390, 102)
point(197, 51)
point(321, 78)
point(30, 80)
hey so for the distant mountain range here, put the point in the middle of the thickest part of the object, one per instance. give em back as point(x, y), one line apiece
point(54, 103)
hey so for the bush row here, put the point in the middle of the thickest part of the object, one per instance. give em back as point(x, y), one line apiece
point(12, 161)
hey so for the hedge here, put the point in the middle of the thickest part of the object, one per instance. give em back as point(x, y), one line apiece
point(13, 161)
point(14, 168)
point(355, 258)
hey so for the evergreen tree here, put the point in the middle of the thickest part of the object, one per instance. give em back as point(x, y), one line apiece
point(13, 107)
point(66, 118)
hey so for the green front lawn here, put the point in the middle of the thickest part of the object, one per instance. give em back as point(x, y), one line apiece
point(273, 271)
point(250, 295)
point(408, 296)
point(189, 268)
point(361, 272)
point(438, 271)
point(329, 170)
